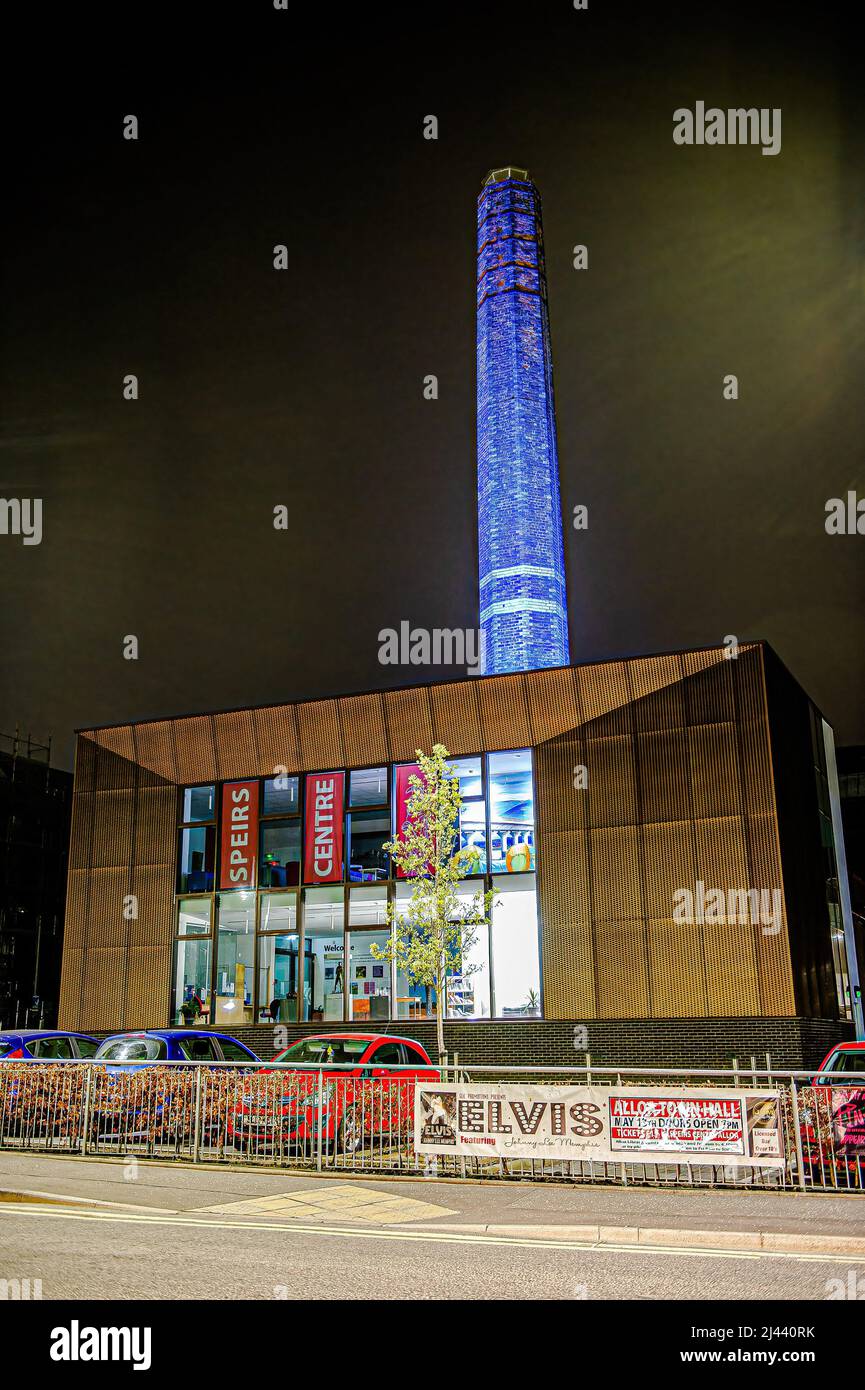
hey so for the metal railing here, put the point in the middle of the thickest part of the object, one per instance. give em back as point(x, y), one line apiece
point(340, 1116)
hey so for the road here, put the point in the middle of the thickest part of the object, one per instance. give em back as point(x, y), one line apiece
point(159, 1231)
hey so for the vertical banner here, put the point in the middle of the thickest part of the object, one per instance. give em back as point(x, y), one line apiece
point(238, 851)
point(403, 794)
point(322, 857)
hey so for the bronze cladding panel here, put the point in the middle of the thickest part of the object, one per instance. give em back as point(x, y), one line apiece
point(364, 736)
point(320, 736)
point(276, 738)
point(408, 723)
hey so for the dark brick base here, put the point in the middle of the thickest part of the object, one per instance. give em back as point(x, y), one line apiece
point(794, 1044)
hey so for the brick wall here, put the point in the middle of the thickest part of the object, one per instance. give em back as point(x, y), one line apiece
point(793, 1043)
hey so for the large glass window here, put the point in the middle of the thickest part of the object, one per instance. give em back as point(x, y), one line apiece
point(197, 855)
point(280, 853)
point(516, 963)
point(278, 958)
point(199, 804)
point(191, 998)
point(369, 979)
point(280, 796)
point(468, 987)
point(512, 812)
point(235, 959)
point(473, 820)
point(367, 833)
point(278, 975)
point(368, 787)
point(323, 984)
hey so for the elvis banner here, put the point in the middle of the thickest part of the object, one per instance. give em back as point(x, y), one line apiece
point(604, 1124)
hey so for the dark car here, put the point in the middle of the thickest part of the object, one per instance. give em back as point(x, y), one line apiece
point(155, 1045)
point(368, 1092)
point(45, 1044)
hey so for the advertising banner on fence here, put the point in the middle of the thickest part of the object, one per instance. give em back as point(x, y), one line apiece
point(601, 1124)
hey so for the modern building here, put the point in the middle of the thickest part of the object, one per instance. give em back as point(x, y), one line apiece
point(523, 600)
point(35, 809)
point(659, 833)
point(851, 789)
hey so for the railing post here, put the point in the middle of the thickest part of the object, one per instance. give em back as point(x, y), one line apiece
point(800, 1162)
point(319, 1107)
point(85, 1114)
point(196, 1122)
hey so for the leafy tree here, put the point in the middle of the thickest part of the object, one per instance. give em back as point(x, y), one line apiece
point(435, 929)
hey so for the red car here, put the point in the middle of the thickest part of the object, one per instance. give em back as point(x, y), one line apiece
point(833, 1116)
point(367, 1093)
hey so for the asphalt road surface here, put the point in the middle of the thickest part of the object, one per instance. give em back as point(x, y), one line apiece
point(179, 1233)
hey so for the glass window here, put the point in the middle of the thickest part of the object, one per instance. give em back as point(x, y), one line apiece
point(473, 834)
point(87, 1047)
point(388, 1053)
point(278, 973)
point(368, 787)
point(413, 1000)
point(199, 803)
point(516, 962)
point(324, 1050)
point(132, 1050)
point(281, 796)
point(280, 854)
point(367, 907)
point(197, 854)
point(369, 979)
point(198, 1049)
point(367, 832)
point(191, 998)
point(470, 774)
point(193, 917)
point(234, 1051)
point(278, 912)
point(512, 812)
point(323, 983)
point(52, 1048)
point(468, 988)
point(235, 959)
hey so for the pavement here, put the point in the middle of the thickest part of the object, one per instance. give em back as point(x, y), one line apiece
point(109, 1228)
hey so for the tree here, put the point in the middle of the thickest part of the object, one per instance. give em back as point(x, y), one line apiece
point(434, 931)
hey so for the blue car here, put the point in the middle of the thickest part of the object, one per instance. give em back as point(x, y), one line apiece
point(47, 1044)
point(126, 1108)
point(155, 1045)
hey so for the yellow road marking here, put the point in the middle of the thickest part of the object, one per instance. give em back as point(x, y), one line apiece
point(428, 1235)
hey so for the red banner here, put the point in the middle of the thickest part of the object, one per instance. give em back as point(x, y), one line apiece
point(403, 795)
point(322, 859)
point(238, 853)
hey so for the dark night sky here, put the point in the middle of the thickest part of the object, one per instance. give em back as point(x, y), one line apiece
point(305, 387)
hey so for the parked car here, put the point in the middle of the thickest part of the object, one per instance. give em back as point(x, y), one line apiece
point(833, 1117)
point(45, 1044)
point(155, 1045)
point(133, 1100)
point(369, 1081)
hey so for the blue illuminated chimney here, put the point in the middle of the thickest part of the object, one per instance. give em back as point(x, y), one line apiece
point(523, 599)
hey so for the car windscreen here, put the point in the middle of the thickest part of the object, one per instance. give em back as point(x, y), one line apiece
point(325, 1050)
point(131, 1050)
